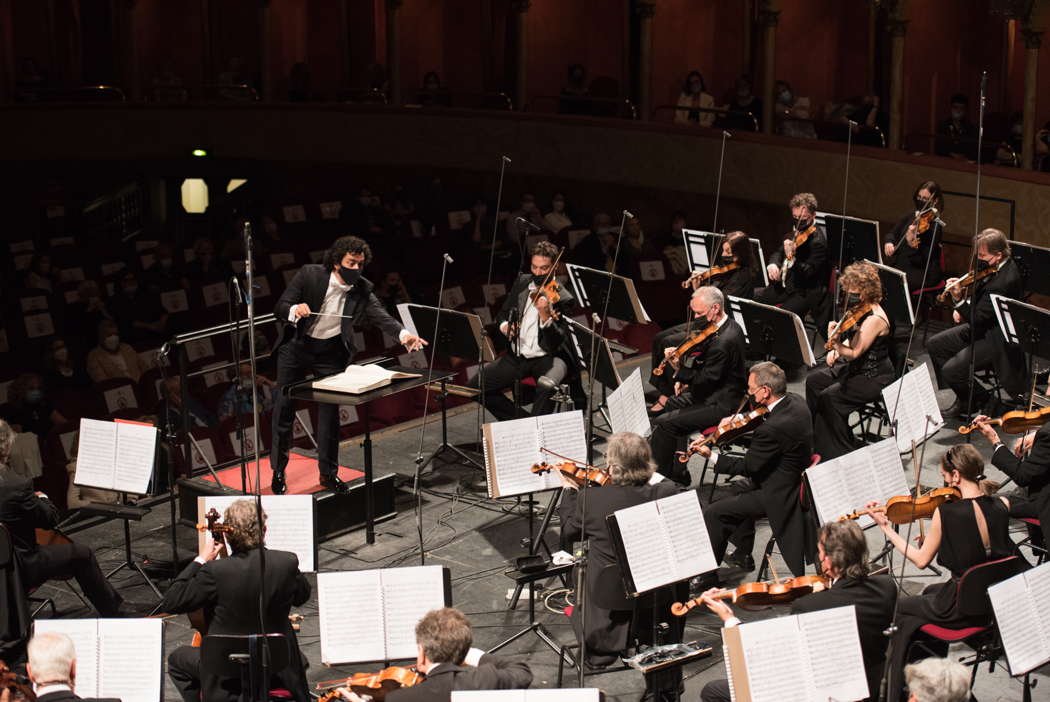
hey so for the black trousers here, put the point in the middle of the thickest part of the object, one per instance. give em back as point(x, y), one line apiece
point(548, 370)
point(950, 355)
point(733, 519)
point(671, 431)
point(832, 396)
point(74, 560)
point(295, 359)
point(184, 669)
point(716, 691)
point(672, 336)
point(800, 301)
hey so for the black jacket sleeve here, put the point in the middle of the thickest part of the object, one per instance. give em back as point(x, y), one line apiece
point(814, 257)
point(707, 377)
point(499, 673)
point(762, 457)
point(292, 295)
point(191, 590)
point(377, 316)
point(1032, 467)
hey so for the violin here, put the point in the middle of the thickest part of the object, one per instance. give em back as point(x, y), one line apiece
point(1016, 422)
point(683, 348)
point(376, 685)
point(751, 595)
point(215, 526)
point(580, 475)
point(966, 281)
point(905, 509)
point(739, 425)
point(699, 278)
point(550, 289)
point(850, 320)
point(801, 237)
point(17, 684)
point(923, 219)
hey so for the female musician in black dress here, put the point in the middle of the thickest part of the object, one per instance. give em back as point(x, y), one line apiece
point(962, 534)
point(908, 250)
point(858, 365)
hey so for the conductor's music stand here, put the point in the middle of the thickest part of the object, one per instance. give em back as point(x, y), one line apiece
point(858, 239)
point(1033, 261)
point(772, 332)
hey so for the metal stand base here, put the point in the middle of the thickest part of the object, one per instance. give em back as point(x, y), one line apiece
point(130, 564)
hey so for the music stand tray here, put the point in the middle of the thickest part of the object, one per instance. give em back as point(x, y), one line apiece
point(772, 332)
point(857, 238)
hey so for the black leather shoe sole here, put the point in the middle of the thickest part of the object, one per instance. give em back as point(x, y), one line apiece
point(334, 484)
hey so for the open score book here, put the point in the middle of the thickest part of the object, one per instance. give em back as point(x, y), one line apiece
point(1022, 611)
point(513, 446)
point(115, 455)
point(360, 379)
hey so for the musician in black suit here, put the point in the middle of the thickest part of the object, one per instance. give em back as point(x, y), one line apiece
point(315, 317)
point(445, 656)
point(843, 558)
point(630, 467)
point(781, 448)
point(535, 340)
point(950, 349)
point(227, 589)
point(799, 274)
point(52, 668)
point(23, 511)
point(709, 382)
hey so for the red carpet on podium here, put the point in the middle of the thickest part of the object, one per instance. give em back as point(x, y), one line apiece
point(301, 475)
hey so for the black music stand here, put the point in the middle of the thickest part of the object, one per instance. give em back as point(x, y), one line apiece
point(459, 334)
point(591, 287)
point(705, 246)
point(895, 297)
point(858, 239)
point(605, 371)
point(772, 332)
point(1031, 260)
point(1027, 326)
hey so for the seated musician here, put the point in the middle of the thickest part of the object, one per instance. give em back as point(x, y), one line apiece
point(781, 448)
point(444, 655)
point(227, 589)
point(937, 680)
point(52, 669)
point(858, 365)
point(962, 534)
point(975, 323)
point(740, 282)
point(535, 340)
point(842, 553)
point(918, 254)
point(708, 382)
point(23, 511)
point(799, 274)
point(630, 467)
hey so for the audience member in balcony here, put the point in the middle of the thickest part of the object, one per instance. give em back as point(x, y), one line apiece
point(432, 92)
point(392, 292)
point(957, 135)
point(573, 96)
point(694, 97)
point(792, 113)
point(61, 372)
point(78, 496)
point(1009, 151)
point(164, 275)
point(112, 358)
point(861, 109)
point(238, 397)
point(557, 220)
point(527, 210)
point(84, 315)
point(138, 314)
point(170, 410)
point(28, 408)
point(672, 245)
point(41, 274)
point(300, 88)
point(206, 267)
point(742, 104)
point(635, 243)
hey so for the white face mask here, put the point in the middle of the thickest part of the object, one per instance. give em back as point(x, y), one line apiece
point(111, 342)
point(62, 355)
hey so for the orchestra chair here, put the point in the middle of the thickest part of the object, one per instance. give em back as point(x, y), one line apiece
point(803, 499)
point(15, 598)
point(609, 595)
point(971, 601)
point(228, 656)
point(739, 441)
point(874, 411)
point(1034, 526)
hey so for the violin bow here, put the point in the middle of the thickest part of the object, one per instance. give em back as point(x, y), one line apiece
point(565, 458)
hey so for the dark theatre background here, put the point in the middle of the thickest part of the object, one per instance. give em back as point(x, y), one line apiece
point(138, 133)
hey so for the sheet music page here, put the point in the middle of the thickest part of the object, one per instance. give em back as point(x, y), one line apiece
point(562, 433)
point(96, 453)
point(830, 494)
point(627, 411)
point(1023, 635)
point(289, 522)
point(564, 695)
point(136, 451)
point(1003, 317)
point(1038, 580)
point(515, 449)
point(909, 400)
point(84, 633)
point(490, 695)
point(647, 546)
point(131, 652)
point(408, 594)
point(803, 341)
point(345, 638)
point(687, 533)
point(776, 666)
point(887, 469)
point(835, 659)
point(855, 469)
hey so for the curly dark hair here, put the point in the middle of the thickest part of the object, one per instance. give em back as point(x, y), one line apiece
point(545, 248)
point(344, 245)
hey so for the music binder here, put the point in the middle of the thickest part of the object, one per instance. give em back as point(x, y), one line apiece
point(116, 455)
point(1022, 612)
point(513, 446)
point(849, 482)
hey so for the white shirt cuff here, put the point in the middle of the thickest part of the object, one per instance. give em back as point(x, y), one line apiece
point(473, 656)
point(403, 334)
point(732, 621)
point(291, 313)
point(503, 327)
point(200, 560)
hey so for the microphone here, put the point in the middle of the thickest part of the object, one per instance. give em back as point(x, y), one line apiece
point(237, 289)
point(628, 214)
point(852, 123)
point(984, 82)
point(448, 259)
point(506, 159)
point(726, 134)
point(527, 222)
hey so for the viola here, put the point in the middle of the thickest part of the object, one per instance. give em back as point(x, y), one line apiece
point(687, 345)
point(905, 509)
point(739, 425)
point(214, 526)
point(580, 475)
point(966, 281)
point(849, 321)
point(376, 685)
point(1015, 422)
point(703, 277)
point(17, 684)
point(751, 595)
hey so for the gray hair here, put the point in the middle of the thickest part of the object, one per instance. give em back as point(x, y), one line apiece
point(7, 438)
point(711, 296)
point(51, 657)
point(242, 518)
point(772, 376)
point(938, 680)
point(629, 459)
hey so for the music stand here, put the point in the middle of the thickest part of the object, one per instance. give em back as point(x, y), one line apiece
point(895, 298)
point(1030, 260)
point(459, 334)
point(1027, 326)
point(858, 239)
point(701, 249)
point(591, 287)
point(772, 332)
point(605, 371)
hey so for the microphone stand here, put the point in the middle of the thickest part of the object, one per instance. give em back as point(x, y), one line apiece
point(445, 260)
point(971, 386)
point(235, 345)
point(718, 191)
point(845, 193)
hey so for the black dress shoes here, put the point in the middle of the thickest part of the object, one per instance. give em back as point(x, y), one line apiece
point(333, 483)
point(737, 559)
point(277, 484)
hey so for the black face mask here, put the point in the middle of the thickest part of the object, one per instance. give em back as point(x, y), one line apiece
point(983, 265)
point(539, 280)
point(728, 259)
point(349, 275)
point(852, 300)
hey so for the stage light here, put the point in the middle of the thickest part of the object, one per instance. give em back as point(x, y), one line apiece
point(199, 153)
point(194, 195)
